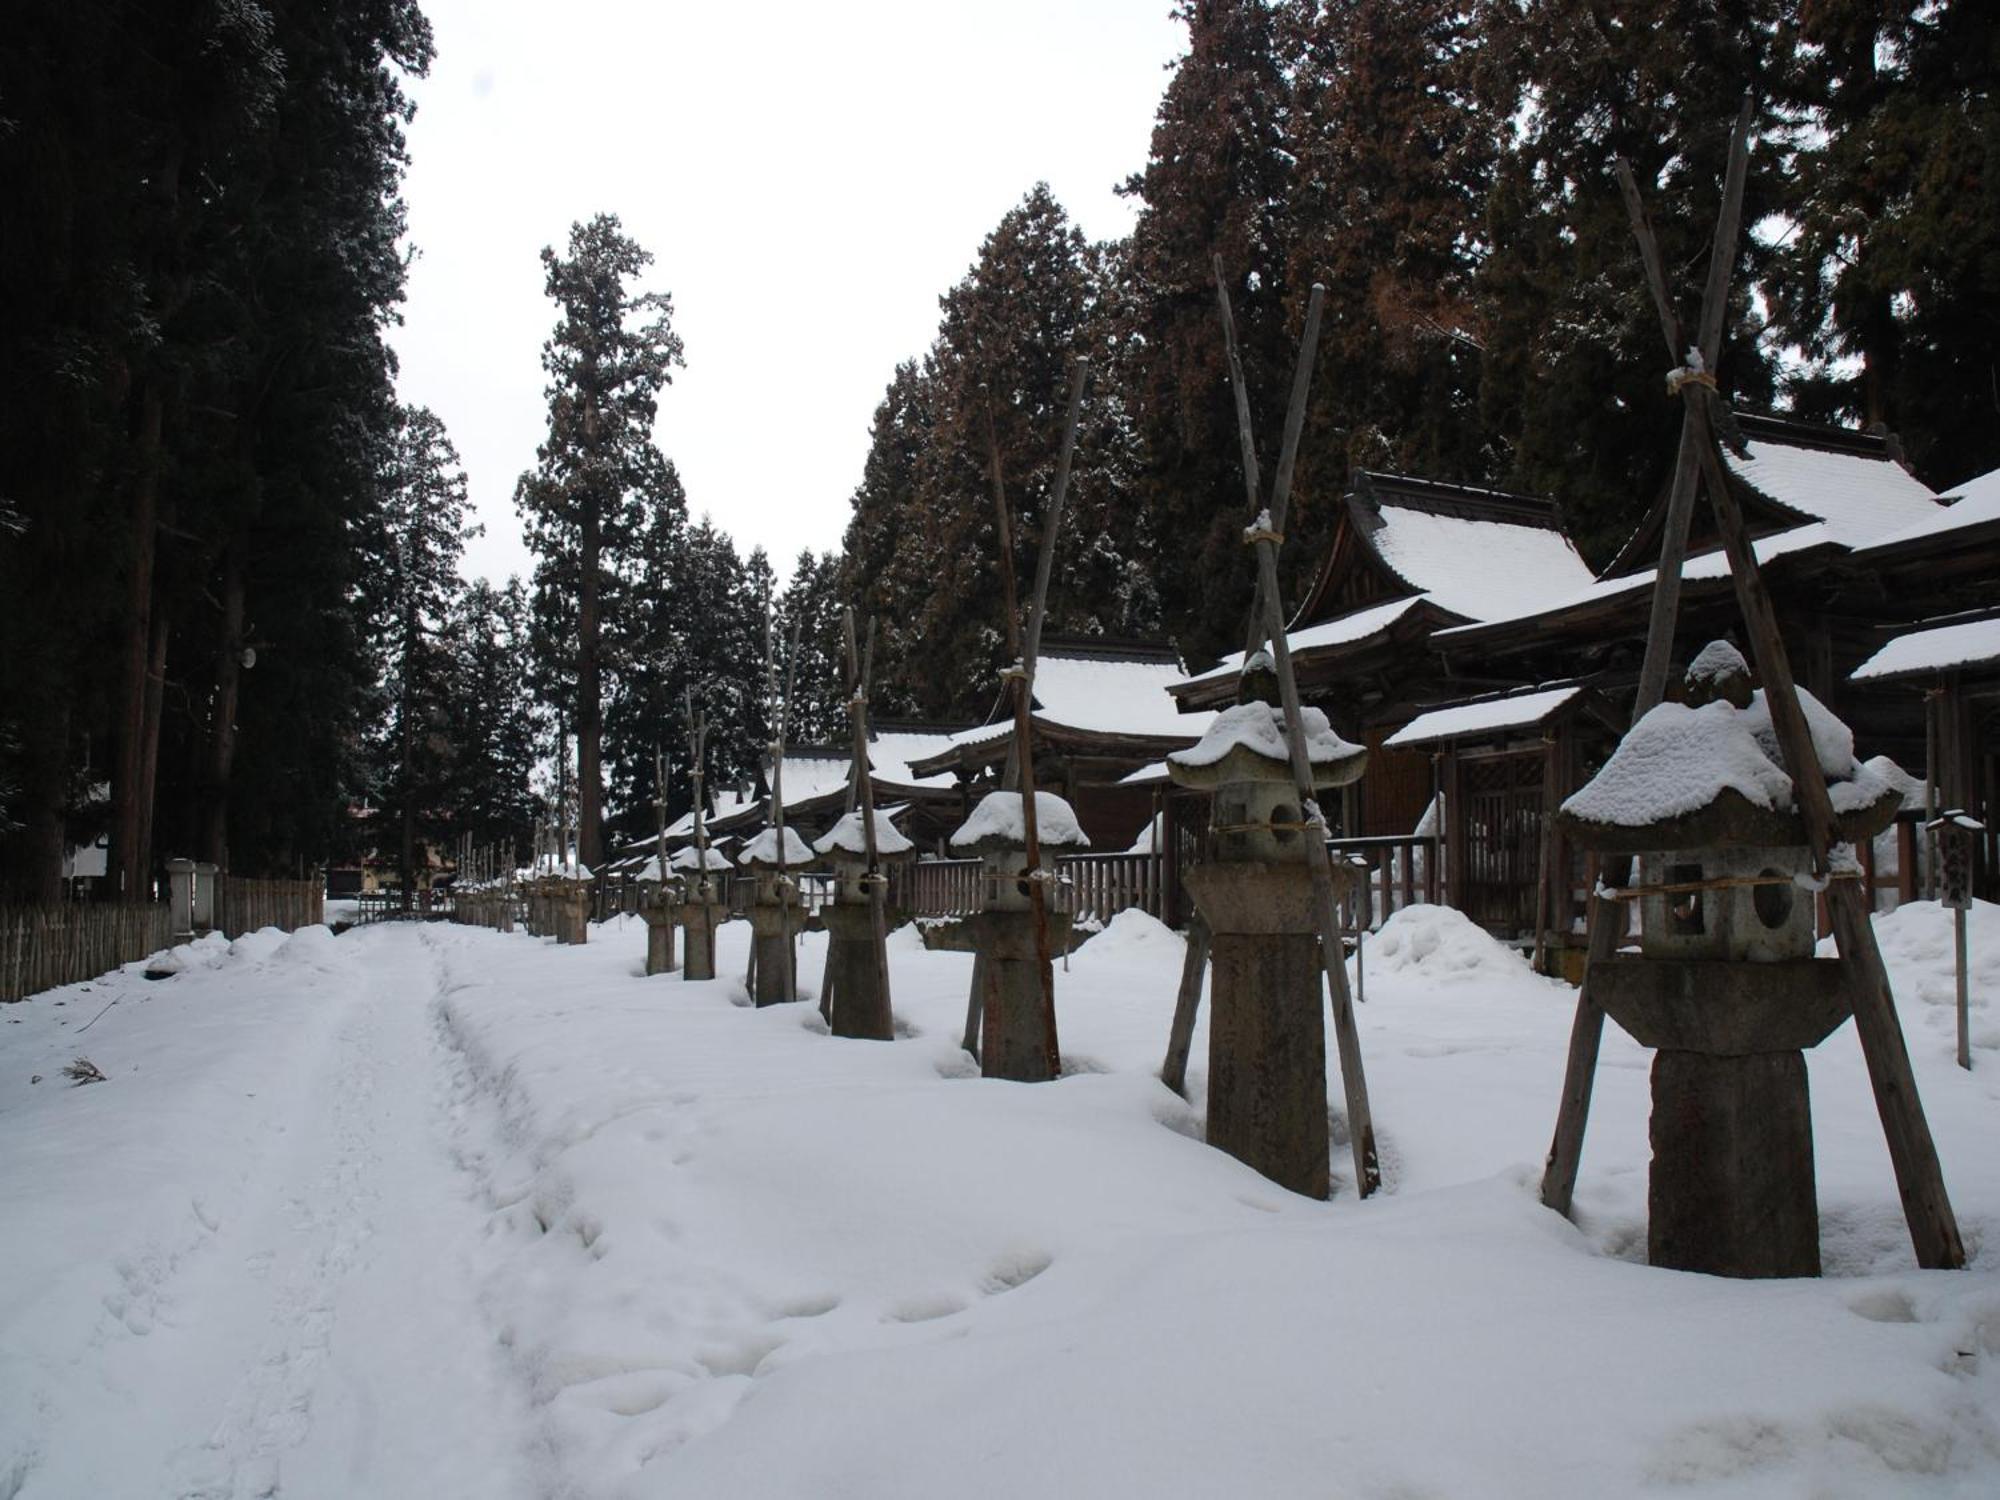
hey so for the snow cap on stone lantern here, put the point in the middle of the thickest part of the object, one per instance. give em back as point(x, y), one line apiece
point(844, 846)
point(996, 833)
point(1244, 760)
point(761, 853)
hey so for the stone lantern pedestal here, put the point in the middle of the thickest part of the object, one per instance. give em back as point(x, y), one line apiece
point(660, 903)
point(1017, 1037)
point(857, 987)
point(702, 910)
point(572, 896)
point(1725, 986)
point(1267, 1101)
point(777, 916)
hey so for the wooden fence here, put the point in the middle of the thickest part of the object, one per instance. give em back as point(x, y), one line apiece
point(44, 946)
point(248, 905)
point(1402, 870)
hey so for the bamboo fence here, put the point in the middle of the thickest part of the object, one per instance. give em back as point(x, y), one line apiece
point(249, 905)
point(45, 946)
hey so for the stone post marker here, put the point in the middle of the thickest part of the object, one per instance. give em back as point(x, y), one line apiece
point(1726, 985)
point(703, 908)
point(860, 1004)
point(661, 895)
point(1015, 1038)
point(776, 914)
point(1267, 1102)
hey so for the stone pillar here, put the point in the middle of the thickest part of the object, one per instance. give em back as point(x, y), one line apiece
point(860, 1005)
point(180, 897)
point(1267, 1100)
point(1731, 1190)
point(703, 912)
point(1267, 1097)
point(776, 919)
point(660, 904)
point(575, 918)
point(204, 897)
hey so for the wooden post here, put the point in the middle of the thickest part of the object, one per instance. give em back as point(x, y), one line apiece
point(1607, 920)
point(1545, 860)
point(1263, 535)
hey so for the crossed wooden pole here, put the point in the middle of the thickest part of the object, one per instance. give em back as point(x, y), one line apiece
point(1026, 648)
point(1267, 625)
point(1919, 1178)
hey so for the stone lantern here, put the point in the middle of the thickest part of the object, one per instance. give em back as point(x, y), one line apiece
point(661, 894)
point(856, 985)
point(1015, 1039)
point(1267, 1103)
point(570, 891)
point(1725, 984)
point(704, 907)
point(777, 915)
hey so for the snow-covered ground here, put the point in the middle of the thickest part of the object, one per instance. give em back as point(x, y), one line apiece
point(440, 1212)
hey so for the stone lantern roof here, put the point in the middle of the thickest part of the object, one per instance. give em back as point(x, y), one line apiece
point(1247, 743)
point(847, 838)
point(996, 825)
point(1708, 773)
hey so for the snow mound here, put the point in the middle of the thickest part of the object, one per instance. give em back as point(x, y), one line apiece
point(998, 816)
point(1917, 944)
point(1260, 729)
point(1133, 937)
point(1441, 945)
point(310, 945)
point(763, 849)
point(255, 947)
point(847, 837)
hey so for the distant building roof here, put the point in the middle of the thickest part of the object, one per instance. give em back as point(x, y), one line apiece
point(1939, 648)
point(1101, 686)
point(1486, 716)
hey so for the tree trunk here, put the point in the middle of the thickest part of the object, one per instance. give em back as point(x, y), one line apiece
point(589, 712)
point(129, 856)
point(222, 720)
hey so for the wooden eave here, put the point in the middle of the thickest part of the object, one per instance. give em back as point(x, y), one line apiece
point(1047, 735)
point(1318, 668)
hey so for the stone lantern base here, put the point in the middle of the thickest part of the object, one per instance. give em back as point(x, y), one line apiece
point(860, 1002)
point(1731, 1191)
point(699, 919)
point(1267, 1103)
point(1014, 1039)
point(661, 917)
point(772, 928)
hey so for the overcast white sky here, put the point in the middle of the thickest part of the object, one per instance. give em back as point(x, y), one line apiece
point(809, 178)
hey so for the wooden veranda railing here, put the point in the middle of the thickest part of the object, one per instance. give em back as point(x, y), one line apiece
point(1401, 869)
point(44, 946)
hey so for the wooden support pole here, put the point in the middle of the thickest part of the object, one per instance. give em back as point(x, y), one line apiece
point(1354, 1081)
point(1607, 921)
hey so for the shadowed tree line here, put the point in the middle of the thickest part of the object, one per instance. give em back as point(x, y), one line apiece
point(1445, 171)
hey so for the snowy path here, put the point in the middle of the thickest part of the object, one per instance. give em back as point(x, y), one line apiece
point(300, 1319)
point(449, 1213)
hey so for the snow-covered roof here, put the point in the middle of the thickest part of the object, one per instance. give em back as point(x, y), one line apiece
point(1972, 643)
point(1481, 569)
point(1859, 496)
point(814, 773)
point(1706, 566)
point(847, 837)
point(998, 816)
point(728, 802)
point(1489, 716)
point(890, 752)
point(1977, 503)
point(1103, 694)
point(1343, 631)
